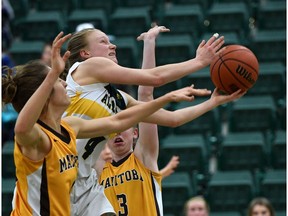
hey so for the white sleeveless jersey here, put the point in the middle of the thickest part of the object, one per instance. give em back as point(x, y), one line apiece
point(90, 102)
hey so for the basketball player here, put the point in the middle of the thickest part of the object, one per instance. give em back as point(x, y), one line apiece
point(94, 65)
point(133, 175)
point(45, 153)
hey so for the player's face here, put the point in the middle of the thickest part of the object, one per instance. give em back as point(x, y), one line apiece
point(100, 46)
point(59, 95)
point(260, 210)
point(197, 208)
point(122, 143)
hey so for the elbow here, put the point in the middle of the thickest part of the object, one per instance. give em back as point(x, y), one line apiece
point(20, 129)
point(159, 81)
point(174, 123)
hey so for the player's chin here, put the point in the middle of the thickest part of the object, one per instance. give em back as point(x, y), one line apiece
point(114, 59)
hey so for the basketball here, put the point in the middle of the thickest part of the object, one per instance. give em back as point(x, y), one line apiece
point(235, 68)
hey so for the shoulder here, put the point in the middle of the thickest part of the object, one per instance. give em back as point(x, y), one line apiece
point(96, 60)
point(72, 122)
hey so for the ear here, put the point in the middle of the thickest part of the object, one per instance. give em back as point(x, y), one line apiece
point(84, 54)
point(135, 133)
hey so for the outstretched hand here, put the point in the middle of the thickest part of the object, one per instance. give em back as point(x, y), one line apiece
point(188, 93)
point(225, 98)
point(152, 33)
point(58, 62)
point(207, 51)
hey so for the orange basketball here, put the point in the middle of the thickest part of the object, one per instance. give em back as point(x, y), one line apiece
point(235, 68)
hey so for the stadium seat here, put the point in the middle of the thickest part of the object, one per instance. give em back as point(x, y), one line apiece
point(252, 113)
point(225, 214)
point(232, 17)
point(242, 151)
point(174, 49)
point(249, 3)
point(272, 15)
point(271, 80)
point(108, 5)
point(273, 187)
point(205, 4)
point(127, 51)
point(24, 51)
point(138, 3)
point(281, 114)
point(208, 124)
point(191, 149)
point(281, 213)
point(201, 79)
point(41, 25)
point(278, 150)
point(230, 191)
point(269, 45)
point(126, 21)
point(184, 19)
point(20, 8)
point(97, 17)
point(229, 37)
point(176, 190)
point(8, 166)
point(162, 90)
point(65, 6)
point(8, 185)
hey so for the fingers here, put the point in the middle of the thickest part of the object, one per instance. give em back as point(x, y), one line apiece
point(163, 29)
point(66, 56)
point(216, 43)
point(154, 31)
point(57, 37)
point(201, 44)
point(200, 92)
point(59, 40)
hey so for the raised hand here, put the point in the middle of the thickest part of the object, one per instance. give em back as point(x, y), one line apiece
point(153, 32)
point(58, 62)
point(206, 51)
point(225, 98)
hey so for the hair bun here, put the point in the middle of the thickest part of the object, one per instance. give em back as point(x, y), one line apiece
point(9, 86)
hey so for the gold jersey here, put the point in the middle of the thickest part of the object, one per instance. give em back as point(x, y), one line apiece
point(43, 187)
point(132, 188)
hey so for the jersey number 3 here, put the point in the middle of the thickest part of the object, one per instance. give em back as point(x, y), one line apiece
point(123, 205)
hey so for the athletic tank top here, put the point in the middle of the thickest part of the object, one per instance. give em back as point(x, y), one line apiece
point(91, 102)
point(132, 188)
point(43, 187)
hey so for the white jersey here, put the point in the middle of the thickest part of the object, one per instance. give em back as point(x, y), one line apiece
point(90, 102)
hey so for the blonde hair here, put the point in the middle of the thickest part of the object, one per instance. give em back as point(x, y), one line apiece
point(76, 43)
point(196, 198)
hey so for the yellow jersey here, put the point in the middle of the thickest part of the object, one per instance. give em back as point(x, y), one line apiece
point(132, 188)
point(43, 187)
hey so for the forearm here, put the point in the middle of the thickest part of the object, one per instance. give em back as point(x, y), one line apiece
point(137, 113)
point(121, 121)
point(148, 141)
point(173, 72)
point(182, 116)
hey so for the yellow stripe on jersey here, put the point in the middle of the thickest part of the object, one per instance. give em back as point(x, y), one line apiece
point(80, 105)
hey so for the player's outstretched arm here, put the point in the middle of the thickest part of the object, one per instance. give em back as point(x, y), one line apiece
point(126, 118)
point(110, 72)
